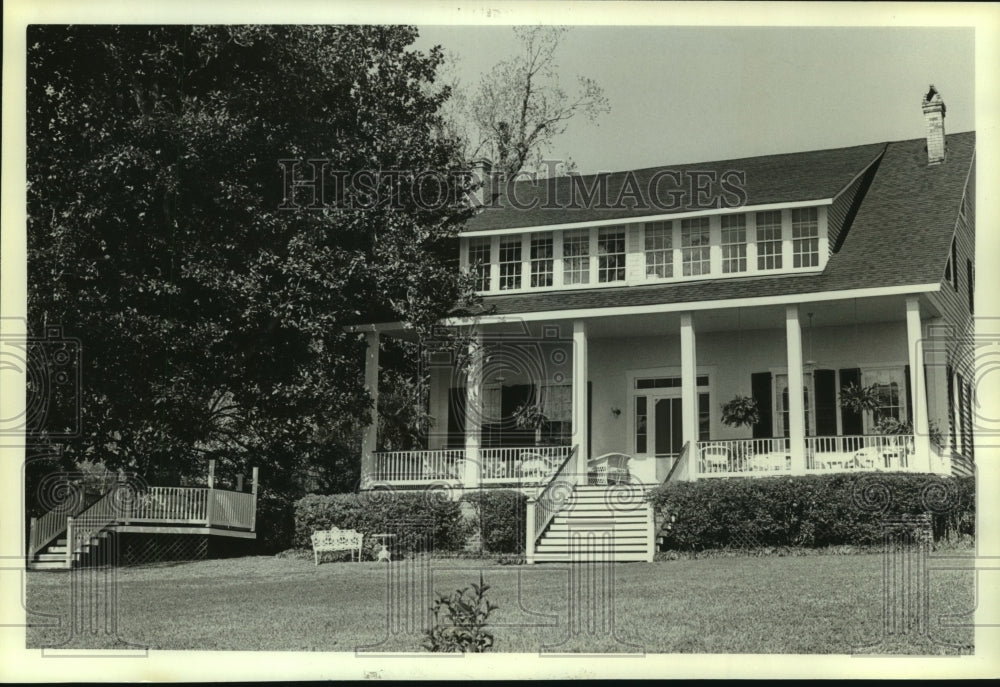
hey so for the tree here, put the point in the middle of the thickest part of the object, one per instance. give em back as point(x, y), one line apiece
point(211, 313)
point(519, 107)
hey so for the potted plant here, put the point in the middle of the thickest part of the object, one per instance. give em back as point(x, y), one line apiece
point(860, 399)
point(741, 411)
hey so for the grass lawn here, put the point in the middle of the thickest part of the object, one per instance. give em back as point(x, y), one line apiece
point(804, 604)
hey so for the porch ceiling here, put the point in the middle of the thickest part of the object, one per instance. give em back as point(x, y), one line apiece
point(825, 314)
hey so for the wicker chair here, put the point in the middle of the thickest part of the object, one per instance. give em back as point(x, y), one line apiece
point(611, 467)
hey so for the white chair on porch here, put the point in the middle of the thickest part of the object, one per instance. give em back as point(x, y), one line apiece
point(611, 467)
point(715, 459)
point(533, 465)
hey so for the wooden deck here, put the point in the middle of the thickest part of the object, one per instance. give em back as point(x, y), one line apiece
point(65, 535)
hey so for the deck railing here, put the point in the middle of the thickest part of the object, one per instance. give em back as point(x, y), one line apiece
point(169, 504)
point(231, 509)
point(49, 526)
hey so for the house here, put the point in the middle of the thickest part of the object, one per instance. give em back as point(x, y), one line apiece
point(622, 312)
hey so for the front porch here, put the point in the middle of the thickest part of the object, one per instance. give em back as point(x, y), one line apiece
point(651, 386)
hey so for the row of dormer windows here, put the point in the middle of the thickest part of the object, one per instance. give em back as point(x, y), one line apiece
point(690, 248)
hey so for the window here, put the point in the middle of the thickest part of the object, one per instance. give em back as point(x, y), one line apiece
point(769, 240)
point(695, 246)
point(479, 262)
point(805, 237)
point(641, 424)
point(576, 257)
point(666, 382)
point(611, 254)
point(734, 243)
point(659, 250)
point(541, 260)
point(510, 262)
point(890, 384)
point(781, 382)
point(557, 406)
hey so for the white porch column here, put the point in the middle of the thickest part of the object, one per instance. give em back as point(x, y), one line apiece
point(918, 385)
point(473, 412)
point(689, 392)
point(580, 374)
point(368, 440)
point(796, 401)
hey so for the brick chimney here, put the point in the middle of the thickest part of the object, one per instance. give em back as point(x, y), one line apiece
point(934, 110)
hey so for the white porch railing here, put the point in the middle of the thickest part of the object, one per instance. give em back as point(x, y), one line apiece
point(524, 465)
point(419, 467)
point(737, 457)
point(861, 452)
point(760, 457)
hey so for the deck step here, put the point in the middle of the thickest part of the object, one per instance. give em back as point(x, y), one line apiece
point(47, 565)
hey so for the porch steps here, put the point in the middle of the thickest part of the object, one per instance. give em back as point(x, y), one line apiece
point(53, 557)
point(598, 524)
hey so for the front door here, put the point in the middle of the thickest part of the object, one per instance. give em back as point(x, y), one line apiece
point(667, 418)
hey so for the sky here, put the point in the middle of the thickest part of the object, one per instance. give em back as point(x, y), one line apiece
point(689, 94)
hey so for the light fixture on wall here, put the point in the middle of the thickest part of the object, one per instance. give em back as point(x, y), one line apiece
point(616, 411)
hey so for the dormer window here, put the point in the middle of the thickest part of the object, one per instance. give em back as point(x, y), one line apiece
point(479, 261)
point(734, 244)
point(611, 254)
point(695, 246)
point(659, 243)
point(769, 240)
point(805, 237)
point(708, 245)
point(541, 260)
point(510, 263)
point(576, 257)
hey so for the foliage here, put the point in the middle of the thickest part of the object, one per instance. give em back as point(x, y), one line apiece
point(810, 510)
point(500, 516)
point(212, 320)
point(418, 519)
point(860, 399)
point(460, 619)
point(519, 107)
point(740, 411)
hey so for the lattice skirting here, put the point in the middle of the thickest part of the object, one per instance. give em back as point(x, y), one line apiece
point(138, 549)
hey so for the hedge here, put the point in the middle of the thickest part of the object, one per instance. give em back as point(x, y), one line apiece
point(810, 510)
point(411, 517)
point(499, 517)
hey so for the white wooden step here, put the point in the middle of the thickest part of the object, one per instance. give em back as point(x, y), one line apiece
point(47, 565)
point(617, 557)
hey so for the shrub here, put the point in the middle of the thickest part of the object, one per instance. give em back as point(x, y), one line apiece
point(412, 517)
point(500, 519)
point(810, 510)
point(465, 616)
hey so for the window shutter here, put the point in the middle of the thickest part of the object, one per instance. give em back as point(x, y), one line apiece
point(760, 390)
point(850, 420)
point(950, 374)
point(456, 417)
point(826, 402)
point(590, 419)
point(909, 395)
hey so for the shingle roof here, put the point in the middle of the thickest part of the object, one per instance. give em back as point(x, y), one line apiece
point(901, 234)
point(813, 175)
